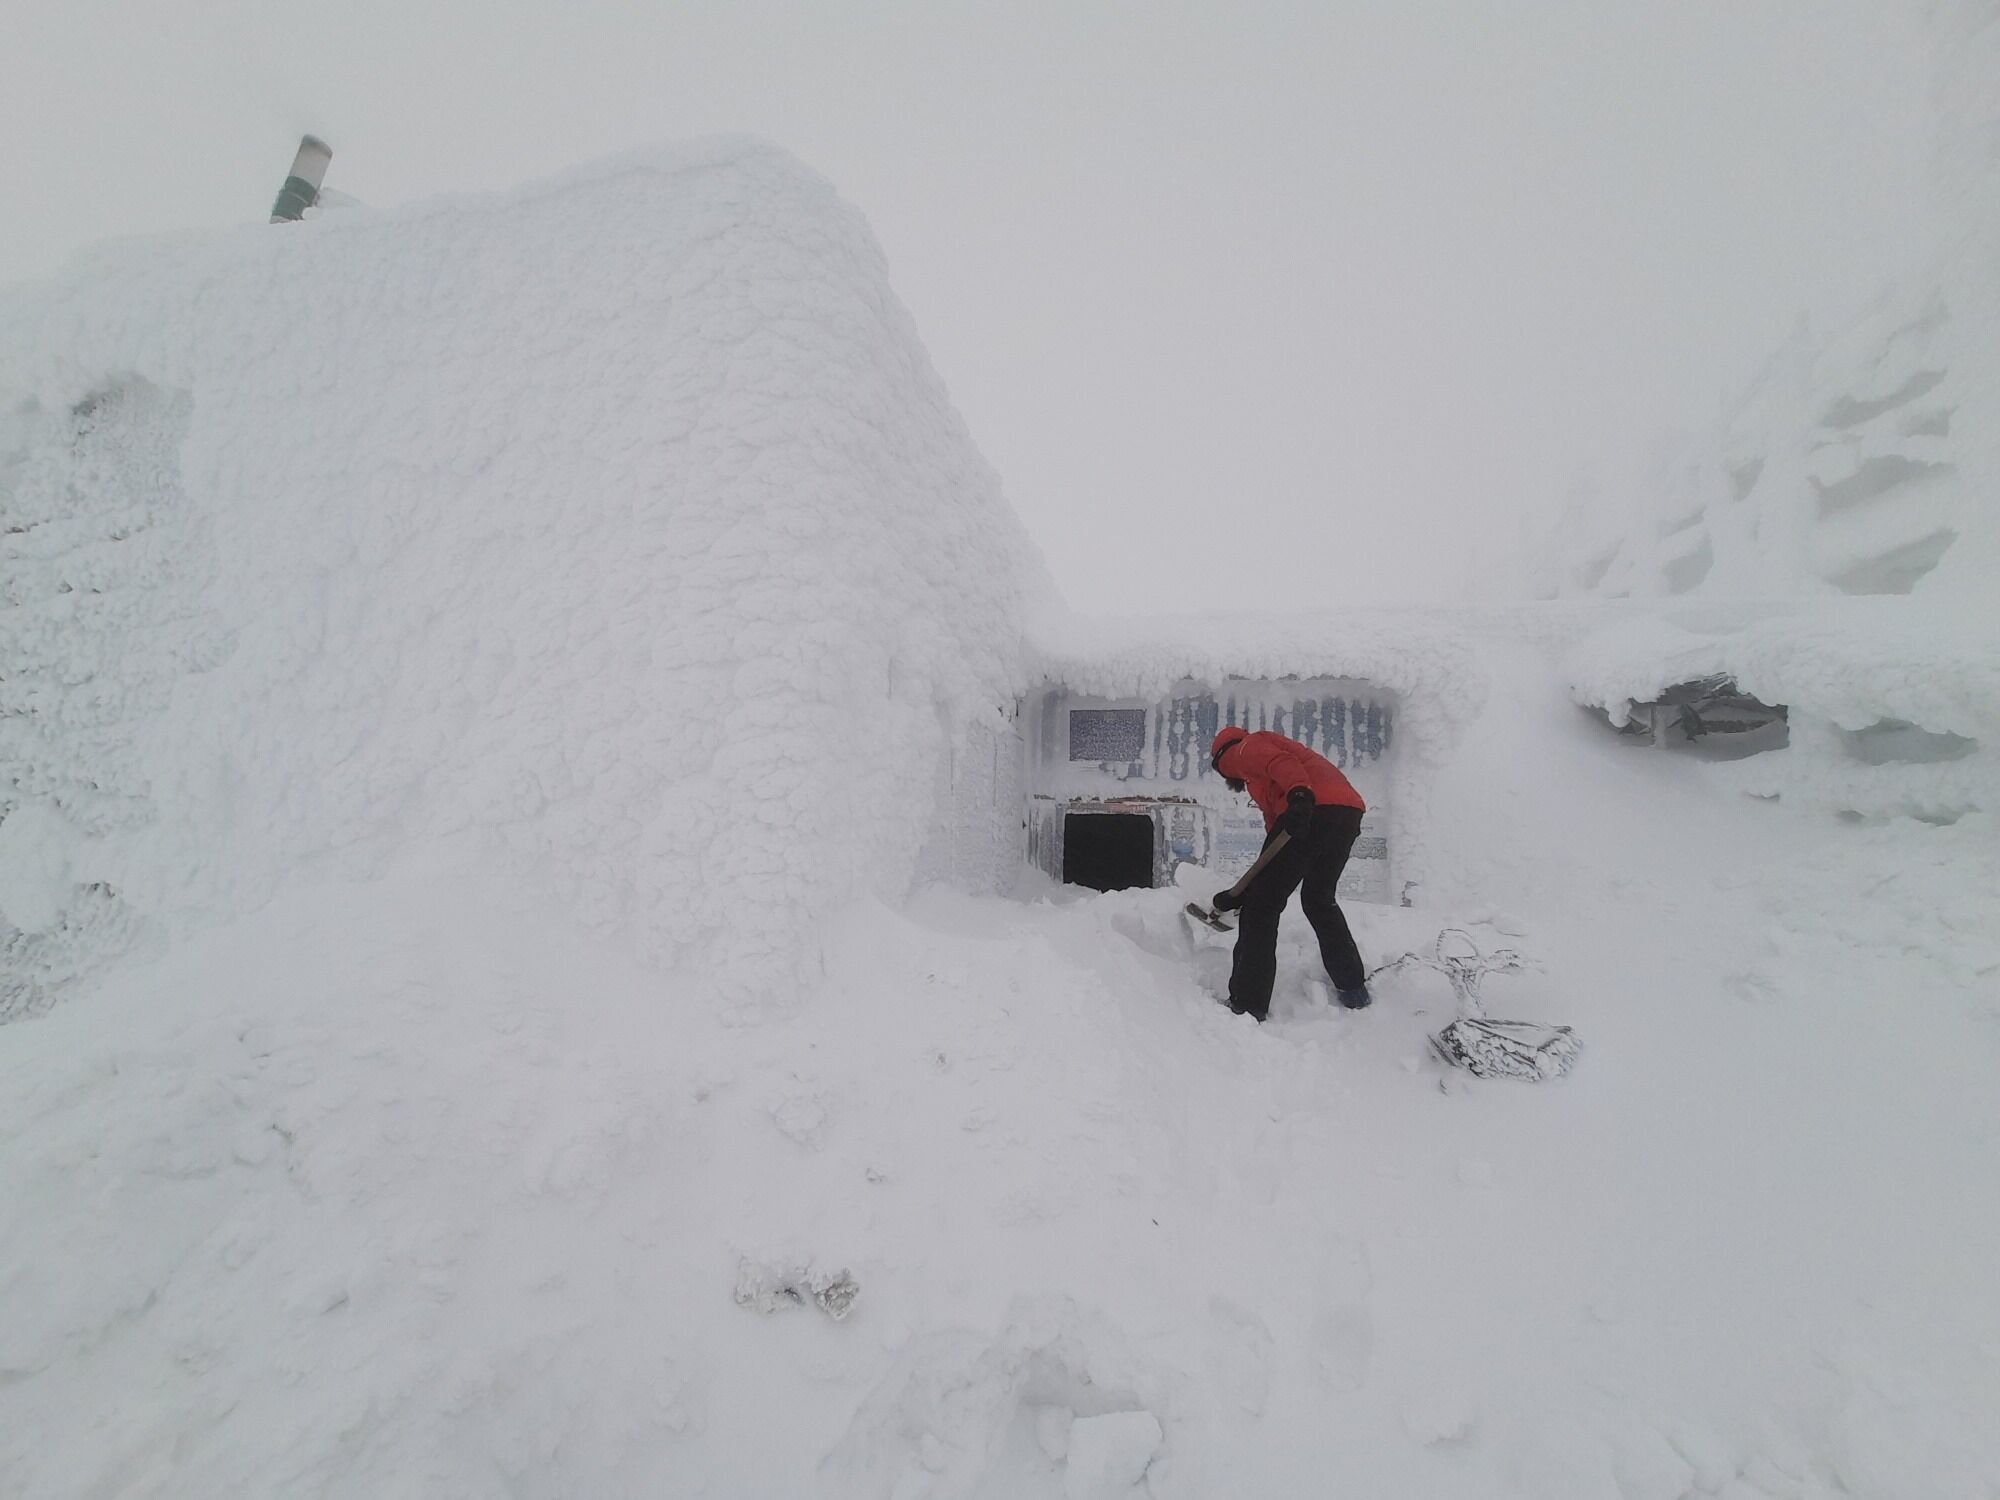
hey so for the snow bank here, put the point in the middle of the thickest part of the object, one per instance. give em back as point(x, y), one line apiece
point(1854, 664)
point(1893, 706)
point(619, 525)
point(387, 1189)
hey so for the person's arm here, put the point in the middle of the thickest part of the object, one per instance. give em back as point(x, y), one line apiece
point(1232, 898)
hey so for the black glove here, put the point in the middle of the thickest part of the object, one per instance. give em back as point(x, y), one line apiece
point(1227, 900)
point(1298, 814)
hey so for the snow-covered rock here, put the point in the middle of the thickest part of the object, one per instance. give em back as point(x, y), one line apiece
point(1108, 1455)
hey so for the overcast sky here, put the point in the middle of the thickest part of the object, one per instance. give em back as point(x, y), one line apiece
point(1278, 304)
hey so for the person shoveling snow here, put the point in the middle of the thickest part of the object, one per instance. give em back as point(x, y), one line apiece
point(1312, 815)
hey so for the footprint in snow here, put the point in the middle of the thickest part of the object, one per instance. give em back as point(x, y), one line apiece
point(1343, 1344)
point(1239, 1354)
point(1341, 1335)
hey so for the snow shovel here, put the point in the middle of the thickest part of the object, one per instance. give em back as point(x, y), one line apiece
point(1208, 917)
point(1211, 918)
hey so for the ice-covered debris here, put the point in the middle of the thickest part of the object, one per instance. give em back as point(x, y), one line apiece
point(1108, 1455)
point(1508, 1049)
point(1708, 711)
point(1459, 958)
point(618, 527)
point(1488, 1048)
point(767, 1286)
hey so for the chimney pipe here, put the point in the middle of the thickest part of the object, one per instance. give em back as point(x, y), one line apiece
point(301, 189)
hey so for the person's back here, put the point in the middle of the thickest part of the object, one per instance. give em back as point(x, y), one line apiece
point(1271, 766)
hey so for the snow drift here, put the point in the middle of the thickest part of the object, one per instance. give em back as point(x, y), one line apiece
point(620, 524)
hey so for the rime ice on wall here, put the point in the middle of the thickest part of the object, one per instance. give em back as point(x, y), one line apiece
point(1839, 472)
point(1153, 756)
point(619, 525)
point(1419, 673)
point(977, 839)
point(93, 640)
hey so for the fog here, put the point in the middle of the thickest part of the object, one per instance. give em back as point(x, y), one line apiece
point(1275, 305)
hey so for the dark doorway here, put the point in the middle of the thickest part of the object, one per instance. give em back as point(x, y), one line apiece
point(1107, 851)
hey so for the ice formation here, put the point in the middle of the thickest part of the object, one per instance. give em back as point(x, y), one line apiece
point(1862, 460)
point(620, 524)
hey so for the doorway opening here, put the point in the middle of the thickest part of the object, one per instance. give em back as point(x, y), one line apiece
point(1108, 851)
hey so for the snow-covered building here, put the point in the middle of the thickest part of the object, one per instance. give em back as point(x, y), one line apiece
point(623, 532)
point(1121, 792)
point(1118, 716)
point(617, 527)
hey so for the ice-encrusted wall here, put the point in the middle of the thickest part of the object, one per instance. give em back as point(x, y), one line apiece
point(1415, 675)
point(1840, 471)
point(1152, 754)
point(93, 520)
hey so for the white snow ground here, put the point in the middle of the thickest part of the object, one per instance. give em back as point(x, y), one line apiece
point(414, 1187)
point(459, 769)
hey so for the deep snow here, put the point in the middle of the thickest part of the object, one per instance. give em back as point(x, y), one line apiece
point(411, 1186)
point(484, 784)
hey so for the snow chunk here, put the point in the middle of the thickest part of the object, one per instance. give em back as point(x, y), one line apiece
point(1108, 1455)
point(767, 1286)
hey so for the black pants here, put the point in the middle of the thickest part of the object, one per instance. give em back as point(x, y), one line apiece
point(1315, 862)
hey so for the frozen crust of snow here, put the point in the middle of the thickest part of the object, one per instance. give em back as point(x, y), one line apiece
point(619, 523)
point(1108, 1455)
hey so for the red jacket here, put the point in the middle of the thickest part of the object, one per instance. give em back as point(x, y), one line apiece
point(1271, 766)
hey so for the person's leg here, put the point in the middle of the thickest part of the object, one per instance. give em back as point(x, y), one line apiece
point(1255, 966)
point(1339, 828)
